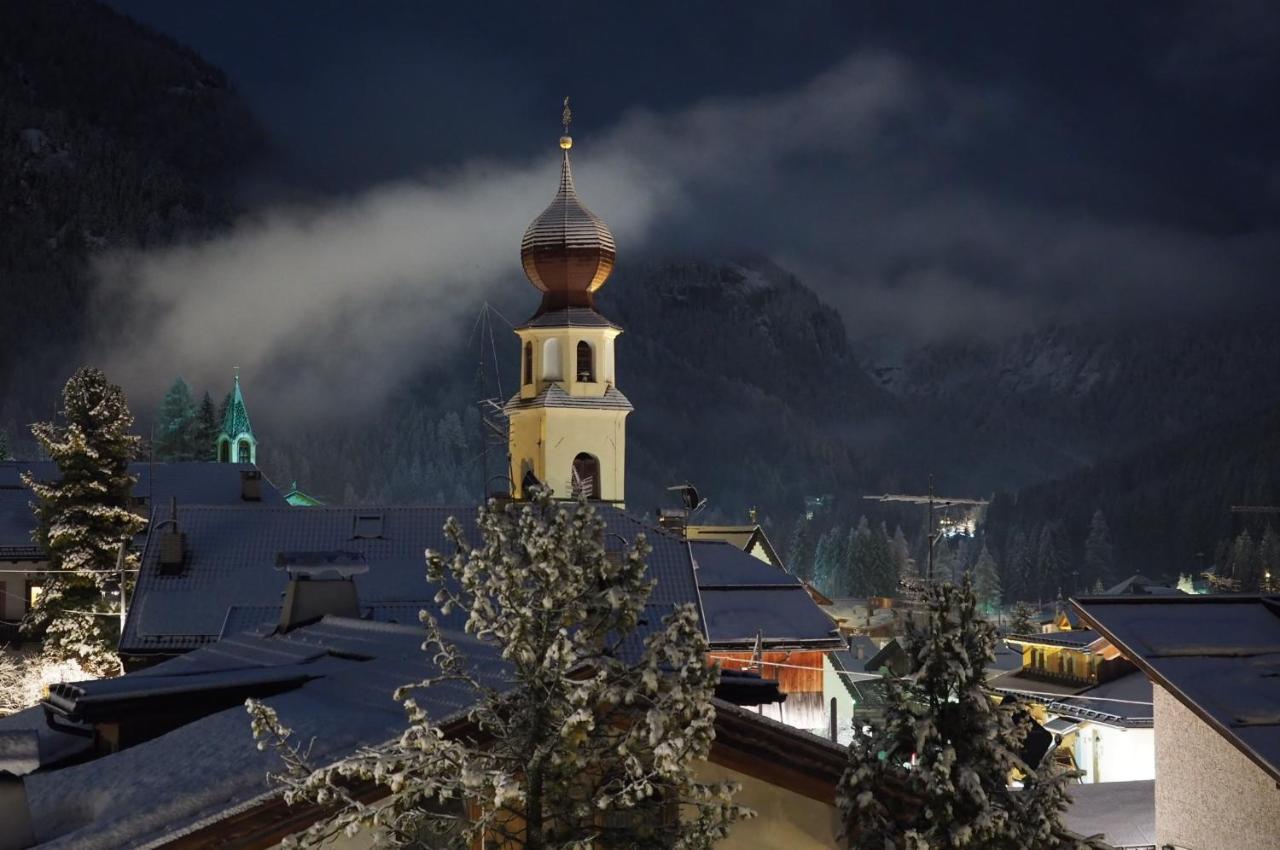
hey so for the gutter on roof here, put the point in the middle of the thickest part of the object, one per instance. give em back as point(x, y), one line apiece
point(1142, 664)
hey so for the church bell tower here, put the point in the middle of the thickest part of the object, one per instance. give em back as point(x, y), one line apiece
point(567, 425)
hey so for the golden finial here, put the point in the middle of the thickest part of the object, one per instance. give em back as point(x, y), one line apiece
point(566, 118)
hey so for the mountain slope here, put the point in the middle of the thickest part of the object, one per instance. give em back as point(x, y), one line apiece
point(110, 135)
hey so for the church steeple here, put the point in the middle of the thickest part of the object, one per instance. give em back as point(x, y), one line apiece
point(236, 443)
point(566, 426)
point(567, 252)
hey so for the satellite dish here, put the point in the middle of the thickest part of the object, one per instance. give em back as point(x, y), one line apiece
point(689, 494)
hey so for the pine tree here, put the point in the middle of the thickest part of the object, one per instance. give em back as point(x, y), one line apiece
point(1244, 562)
point(589, 746)
point(1269, 559)
point(84, 522)
point(175, 424)
point(935, 773)
point(828, 562)
point(1098, 563)
point(800, 549)
point(986, 582)
point(905, 564)
point(1052, 569)
point(1098, 589)
point(1023, 620)
point(205, 430)
point(1018, 566)
point(4, 445)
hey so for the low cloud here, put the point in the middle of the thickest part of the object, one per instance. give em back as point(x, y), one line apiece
point(859, 181)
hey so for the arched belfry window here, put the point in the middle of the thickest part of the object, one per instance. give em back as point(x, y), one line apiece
point(586, 362)
point(551, 360)
point(528, 363)
point(244, 452)
point(224, 451)
point(586, 476)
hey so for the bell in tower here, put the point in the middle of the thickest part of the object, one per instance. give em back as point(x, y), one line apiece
point(567, 425)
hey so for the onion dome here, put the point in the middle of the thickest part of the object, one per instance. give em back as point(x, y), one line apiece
point(567, 252)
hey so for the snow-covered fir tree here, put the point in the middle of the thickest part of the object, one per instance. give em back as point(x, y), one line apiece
point(936, 774)
point(903, 562)
point(84, 523)
point(1022, 620)
point(4, 445)
point(800, 549)
point(592, 746)
point(1269, 560)
point(986, 581)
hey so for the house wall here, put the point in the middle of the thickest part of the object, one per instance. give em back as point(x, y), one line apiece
point(13, 601)
point(784, 819)
point(799, 674)
point(1209, 795)
point(1122, 755)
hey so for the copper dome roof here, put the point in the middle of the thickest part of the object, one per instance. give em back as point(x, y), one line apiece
point(567, 252)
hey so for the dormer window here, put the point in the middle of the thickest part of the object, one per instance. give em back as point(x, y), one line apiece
point(586, 362)
point(528, 363)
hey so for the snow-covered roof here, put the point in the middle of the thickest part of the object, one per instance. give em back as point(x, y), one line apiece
point(1123, 812)
point(190, 482)
point(1140, 585)
point(1123, 702)
point(208, 768)
point(229, 580)
point(1071, 638)
point(1218, 655)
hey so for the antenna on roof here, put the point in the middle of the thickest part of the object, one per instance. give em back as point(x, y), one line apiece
point(689, 494)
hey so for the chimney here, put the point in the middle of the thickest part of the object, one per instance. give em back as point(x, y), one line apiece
point(320, 584)
point(172, 543)
point(250, 485)
point(674, 520)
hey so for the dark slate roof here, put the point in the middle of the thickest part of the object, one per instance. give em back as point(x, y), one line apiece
point(568, 317)
point(1006, 659)
point(1016, 683)
point(191, 483)
point(1123, 812)
point(722, 564)
point(784, 616)
point(230, 582)
point(210, 767)
point(866, 689)
point(1218, 655)
point(555, 395)
point(742, 595)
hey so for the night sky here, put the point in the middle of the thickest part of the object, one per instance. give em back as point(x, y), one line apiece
point(934, 171)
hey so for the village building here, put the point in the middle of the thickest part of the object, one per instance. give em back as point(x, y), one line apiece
point(23, 564)
point(1213, 663)
point(1094, 701)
